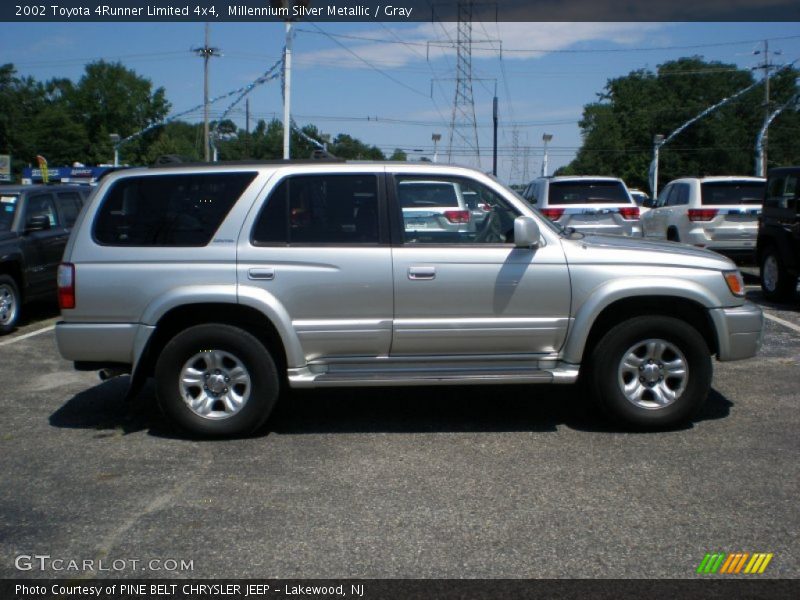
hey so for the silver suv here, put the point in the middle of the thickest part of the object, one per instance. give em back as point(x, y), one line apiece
point(718, 213)
point(587, 204)
point(230, 283)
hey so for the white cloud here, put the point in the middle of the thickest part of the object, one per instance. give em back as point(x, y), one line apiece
point(429, 41)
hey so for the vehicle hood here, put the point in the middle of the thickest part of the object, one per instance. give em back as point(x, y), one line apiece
point(608, 249)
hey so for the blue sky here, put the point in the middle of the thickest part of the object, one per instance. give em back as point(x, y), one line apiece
point(548, 71)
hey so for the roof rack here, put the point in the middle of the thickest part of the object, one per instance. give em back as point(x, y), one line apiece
point(173, 160)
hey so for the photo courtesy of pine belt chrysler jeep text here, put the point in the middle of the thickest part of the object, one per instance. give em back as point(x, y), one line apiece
point(230, 282)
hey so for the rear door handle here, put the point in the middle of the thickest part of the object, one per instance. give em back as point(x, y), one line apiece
point(265, 274)
point(422, 272)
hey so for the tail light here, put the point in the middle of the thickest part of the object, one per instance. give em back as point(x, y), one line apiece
point(66, 285)
point(484, 206)
point(629, 213)
point(457, 216)
point(554, 214)
point(701, 214)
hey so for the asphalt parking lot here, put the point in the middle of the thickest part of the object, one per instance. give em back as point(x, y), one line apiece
point(513, 482)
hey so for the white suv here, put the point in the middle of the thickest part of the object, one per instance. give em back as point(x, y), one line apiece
point(718, 213)
point(599, 205)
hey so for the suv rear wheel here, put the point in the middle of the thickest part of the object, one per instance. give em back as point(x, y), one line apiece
point(776, 282)
point(651, 371)
point(216, 380)
point(10, 303)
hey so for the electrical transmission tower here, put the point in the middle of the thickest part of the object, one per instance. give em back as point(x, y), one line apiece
point(463, 125)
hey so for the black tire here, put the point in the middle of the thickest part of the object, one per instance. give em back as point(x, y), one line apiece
point(10, 304)
point(776, 282)
point(228, 347)
point(608, 374)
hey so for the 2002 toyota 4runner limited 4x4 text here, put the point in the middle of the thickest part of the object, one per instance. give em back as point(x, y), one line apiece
point(229, 282)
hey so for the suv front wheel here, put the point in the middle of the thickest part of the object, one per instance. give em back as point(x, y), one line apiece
point(651, 371)
point(216, 380)
point(776, 283)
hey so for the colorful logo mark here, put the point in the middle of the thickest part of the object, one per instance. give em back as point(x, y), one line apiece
point(735, 563)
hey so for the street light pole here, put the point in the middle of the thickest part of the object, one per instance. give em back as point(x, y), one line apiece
point(436, 137)
point(546, 138)
point(114, 137)
point(658, 140)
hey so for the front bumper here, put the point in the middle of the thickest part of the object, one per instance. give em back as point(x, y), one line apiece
point(739, 331)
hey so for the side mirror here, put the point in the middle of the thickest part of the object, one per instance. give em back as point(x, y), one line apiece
point(526, 232)
point(37, 223)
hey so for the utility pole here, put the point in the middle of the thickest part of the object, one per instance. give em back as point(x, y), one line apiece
point(287, 90)
point(206, 52)
point(767, 66)
point(494, 135)
point(546, 139)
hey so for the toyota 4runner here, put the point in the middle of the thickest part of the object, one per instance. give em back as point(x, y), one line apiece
point(230, 282)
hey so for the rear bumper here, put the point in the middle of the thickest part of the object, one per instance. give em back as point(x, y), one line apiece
point(102, 343)
point(739, 331)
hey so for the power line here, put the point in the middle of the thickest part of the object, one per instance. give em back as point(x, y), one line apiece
point(366, 62)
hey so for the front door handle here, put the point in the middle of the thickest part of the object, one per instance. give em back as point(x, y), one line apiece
point(266, 274)
point(422, 272)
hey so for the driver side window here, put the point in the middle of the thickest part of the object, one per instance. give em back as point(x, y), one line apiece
point(453, 210)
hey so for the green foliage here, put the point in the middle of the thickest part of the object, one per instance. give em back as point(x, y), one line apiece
point(69, 122)
point(398, 154)
point(618, 129)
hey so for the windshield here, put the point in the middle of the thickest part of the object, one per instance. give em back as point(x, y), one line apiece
point(587, 192)
point(716, 193)
point(8, 208)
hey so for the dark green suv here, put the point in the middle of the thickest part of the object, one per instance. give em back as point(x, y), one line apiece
point(778, 246)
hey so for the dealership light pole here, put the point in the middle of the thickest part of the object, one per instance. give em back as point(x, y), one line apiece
point(658, 141)
point(436, 137)
point(546, 138)
point(114, 137)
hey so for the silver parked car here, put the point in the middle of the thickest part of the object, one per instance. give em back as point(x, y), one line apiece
point(587, 204)
point(228, 283)
point(718, 213)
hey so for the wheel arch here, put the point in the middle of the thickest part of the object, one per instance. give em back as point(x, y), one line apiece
point(689, 310)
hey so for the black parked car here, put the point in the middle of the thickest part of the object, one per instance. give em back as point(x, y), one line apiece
point(35, 222)
point(778, 246)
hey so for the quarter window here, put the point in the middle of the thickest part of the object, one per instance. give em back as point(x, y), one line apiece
point(168, 210)
point(69, 205)
point(320, 209)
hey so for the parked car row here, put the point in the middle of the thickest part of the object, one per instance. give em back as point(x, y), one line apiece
point(748, 219)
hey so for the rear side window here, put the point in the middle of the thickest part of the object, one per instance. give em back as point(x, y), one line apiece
point(587, 192)
point(679, 195)
point(717, 193)
point(320, 209)
point(424, 194)
point(167, 210)
point(39, 206)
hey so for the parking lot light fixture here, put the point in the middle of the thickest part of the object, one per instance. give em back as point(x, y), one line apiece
point(658, 141)
point(114, 137)
point(546, 138)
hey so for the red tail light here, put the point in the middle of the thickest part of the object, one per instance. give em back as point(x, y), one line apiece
point(457, 216)
point(701, 214)
point(554, 214)
point(629, 213)
point(66, 285)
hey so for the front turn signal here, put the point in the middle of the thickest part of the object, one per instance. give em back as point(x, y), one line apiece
point(735, 282)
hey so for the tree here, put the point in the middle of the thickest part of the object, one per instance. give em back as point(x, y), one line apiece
point(618, 129)
point(345, 146)
point(110, 98)
point(398, 154)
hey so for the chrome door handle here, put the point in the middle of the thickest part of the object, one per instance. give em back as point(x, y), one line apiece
point(267, 274)
point(422, 272)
